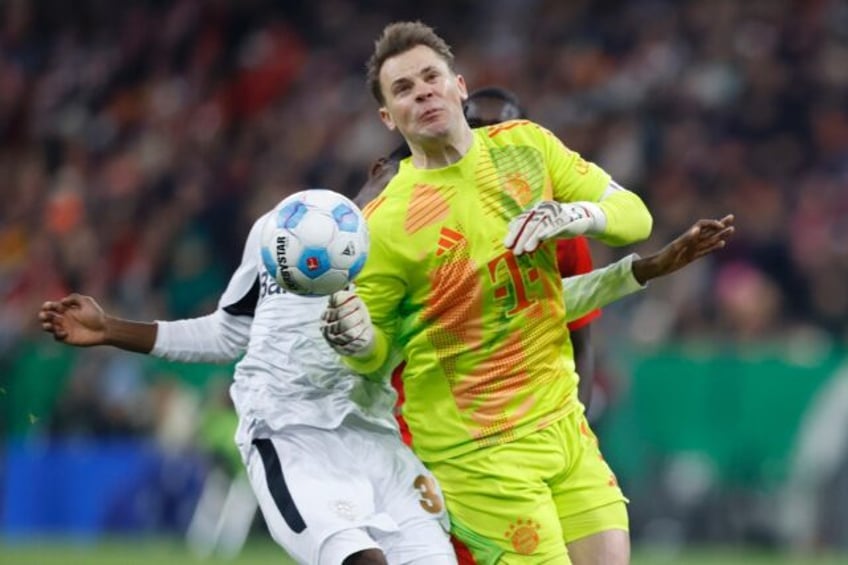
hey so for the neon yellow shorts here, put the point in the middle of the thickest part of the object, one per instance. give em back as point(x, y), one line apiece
point(523, 501)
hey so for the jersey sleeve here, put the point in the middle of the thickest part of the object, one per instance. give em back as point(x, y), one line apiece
point(573, 178)
point(574, 258)
point(628, 219)
point(598, 288)
point(216, 338)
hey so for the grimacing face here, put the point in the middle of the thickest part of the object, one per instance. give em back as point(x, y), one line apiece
point(423, 97)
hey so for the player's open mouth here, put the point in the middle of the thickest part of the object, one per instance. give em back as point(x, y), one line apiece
point(430, 115)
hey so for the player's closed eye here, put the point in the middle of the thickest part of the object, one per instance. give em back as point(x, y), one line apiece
point(400, 88)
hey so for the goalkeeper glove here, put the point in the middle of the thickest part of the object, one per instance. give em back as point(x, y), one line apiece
point(346, 325)
point(547, 220)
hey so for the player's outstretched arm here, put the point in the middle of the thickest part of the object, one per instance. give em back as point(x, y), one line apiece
point(704, 237)
point(600, 287)
point(79, 320)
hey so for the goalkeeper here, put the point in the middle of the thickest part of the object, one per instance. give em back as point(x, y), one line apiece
point(462, 276)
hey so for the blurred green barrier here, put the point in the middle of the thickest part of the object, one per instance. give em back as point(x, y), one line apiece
point(738, 410)
point(35, 376)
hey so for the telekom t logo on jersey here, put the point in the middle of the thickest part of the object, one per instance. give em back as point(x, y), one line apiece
point(506, 274)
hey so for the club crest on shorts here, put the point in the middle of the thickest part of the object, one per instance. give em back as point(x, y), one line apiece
point(524, 535)
point(344, 509)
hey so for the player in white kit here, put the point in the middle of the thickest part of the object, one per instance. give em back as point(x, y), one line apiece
point(333, 479)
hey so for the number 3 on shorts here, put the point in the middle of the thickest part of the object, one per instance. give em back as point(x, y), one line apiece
point(428, 494)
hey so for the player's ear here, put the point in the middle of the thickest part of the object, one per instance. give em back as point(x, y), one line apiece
point(387, 118)
point(377, 167)
point(463, 89)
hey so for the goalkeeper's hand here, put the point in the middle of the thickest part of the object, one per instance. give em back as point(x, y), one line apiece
point(548, 220)
point(346, 325)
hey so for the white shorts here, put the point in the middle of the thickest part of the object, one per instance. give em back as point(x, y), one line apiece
point(326, 494)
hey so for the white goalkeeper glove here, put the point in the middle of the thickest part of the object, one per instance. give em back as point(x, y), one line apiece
point(548, 220)
point(346, 325)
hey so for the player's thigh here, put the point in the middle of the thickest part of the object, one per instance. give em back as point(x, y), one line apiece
point(609, 547)
point(500, 504)
point(588, 498)
point(408, 493)
point(307, 497)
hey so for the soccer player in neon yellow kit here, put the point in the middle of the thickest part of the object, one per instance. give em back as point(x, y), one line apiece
point(462, 277)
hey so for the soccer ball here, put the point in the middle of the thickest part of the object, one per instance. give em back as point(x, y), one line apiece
point(314, 242)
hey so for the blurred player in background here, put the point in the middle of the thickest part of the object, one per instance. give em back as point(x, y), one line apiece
point(492, 105)
point(226, 506)
point(334, 482)
point(461, 275)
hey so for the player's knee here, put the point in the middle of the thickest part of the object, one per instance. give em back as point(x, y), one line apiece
point(366, 557)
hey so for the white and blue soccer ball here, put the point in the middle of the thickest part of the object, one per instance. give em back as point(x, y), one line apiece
point(314, 242)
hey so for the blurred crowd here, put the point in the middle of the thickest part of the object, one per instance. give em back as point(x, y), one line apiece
point(139, 140)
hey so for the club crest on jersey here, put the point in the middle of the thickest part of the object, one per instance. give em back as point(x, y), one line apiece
point(518, 188)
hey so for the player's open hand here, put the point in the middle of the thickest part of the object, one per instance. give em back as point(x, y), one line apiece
point(346, 324)
point(75, 320)
point(704, 237)
point(548, 220)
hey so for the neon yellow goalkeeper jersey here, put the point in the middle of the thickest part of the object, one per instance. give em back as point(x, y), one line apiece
point(483, 332)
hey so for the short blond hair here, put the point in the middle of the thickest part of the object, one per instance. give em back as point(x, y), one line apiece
point(397, 38)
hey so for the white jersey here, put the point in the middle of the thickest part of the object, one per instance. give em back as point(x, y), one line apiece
point(288, 375)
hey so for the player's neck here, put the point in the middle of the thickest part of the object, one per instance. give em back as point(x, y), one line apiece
point(440, 153)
